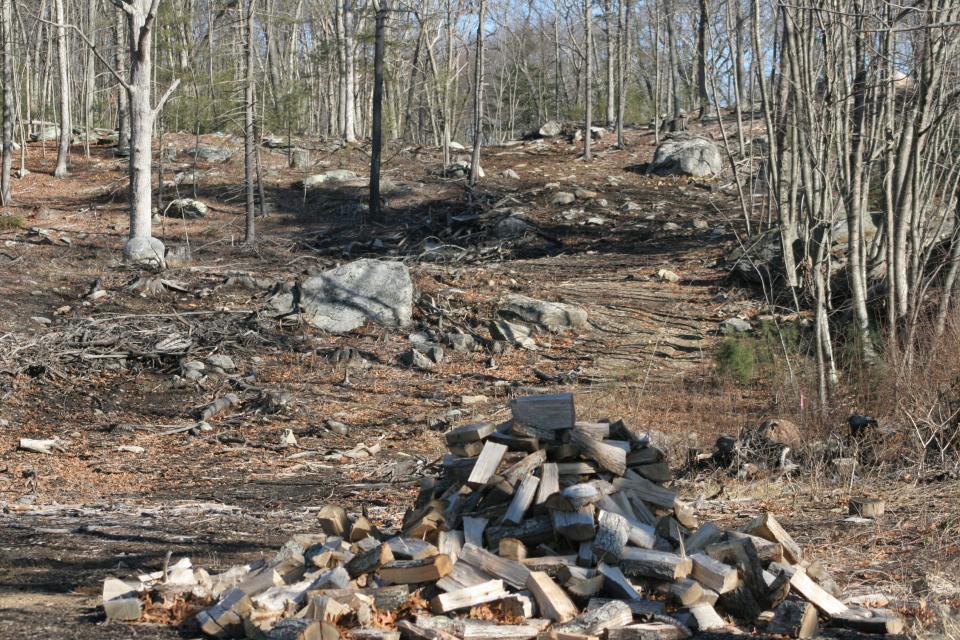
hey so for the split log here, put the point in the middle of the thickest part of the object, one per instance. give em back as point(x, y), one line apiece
point(512, 549)
point(518, 605)
point(324, 608)
point(300, 629)
point(639, 608)
point(553, 602)
point(726, 551)
point(374, 634)
point(549, 484)
point(576, 468)
point(469, 597)
point(574, 525)
point(645, 455)
point(410, 631)
point(766, 526)
point(705, 535)
point(462, 576)
point(648, 631)
point(411, 548)
point(486, 465)
point(655, 564)
point(594, 622)
point(416, 571)
point(369, 561)
point(525, 467)
point(583, 589)
point(531, 531)
point(713, 574)
point(658, 472)
point(554, 412)
point(611, 458)
point(225, 619)
point(513, 573)
point(470, 433)
point(450, 543)
point(869, 621)
point(48, 446)
point(522, 499)
point(333, 520)
point(473, 530)
point(616, 583)
point(613, 531)
point(815, 594)
point(645, 490)
point(706, 617)
point(596, 430)
point(796, 619)
point(686, 591)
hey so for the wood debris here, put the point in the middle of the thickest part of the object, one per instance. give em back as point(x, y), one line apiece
point(543, 526)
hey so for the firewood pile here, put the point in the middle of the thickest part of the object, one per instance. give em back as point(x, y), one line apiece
point(542, 526)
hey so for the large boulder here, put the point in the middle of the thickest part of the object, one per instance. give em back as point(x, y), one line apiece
point(334, 176)
point(554, 316)
point(550, 129)
point(343, 299)
point(210, 153)
point(145, 252)
point(186, 208)
point(686, 154)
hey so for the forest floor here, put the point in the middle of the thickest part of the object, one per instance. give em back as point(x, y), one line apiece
point(233, 493)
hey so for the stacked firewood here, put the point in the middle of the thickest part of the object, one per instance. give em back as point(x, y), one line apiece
point(543, 525)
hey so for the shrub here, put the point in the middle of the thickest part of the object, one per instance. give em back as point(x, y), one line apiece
point(10, 222)
point(736, 358)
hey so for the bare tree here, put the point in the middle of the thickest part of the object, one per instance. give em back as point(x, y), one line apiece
point(478, 80)
point(376, 125)
point(6, 34)
point(63, 65)
point(249, 128)
point(587, 77)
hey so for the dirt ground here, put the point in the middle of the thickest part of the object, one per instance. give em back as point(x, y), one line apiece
point(95, 371)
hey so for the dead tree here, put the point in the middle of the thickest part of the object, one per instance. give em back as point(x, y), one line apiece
point(478, 97)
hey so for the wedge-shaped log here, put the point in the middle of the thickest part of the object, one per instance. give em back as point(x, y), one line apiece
point(610, 457)
point(766, 526)
point(616, 583)
point(470, 433)
point(416, 571)
point(513, 573)
point(531, 531)
point(794, 618)
point(714, 574)
point(553, 601)
point(645, 490)
point(638, 607)
point(512, 549)
point(369, 561)
point(706, 617)
point(462, 576)
point(551, 412)
point(522, 499)
point(469, 597)
point(411, 548)
point(333, 520)
point(549, 484)
point(879, 621)
point(815, 594)
point(648, 631)
point(594, 622)
point(655, 564)
point(486, 465)
point(705, 535)
point(525, 466)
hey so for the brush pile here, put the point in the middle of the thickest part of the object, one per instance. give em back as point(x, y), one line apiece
point(541, 526)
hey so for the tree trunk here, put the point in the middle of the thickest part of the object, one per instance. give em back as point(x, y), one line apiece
point(375, 120)
point(249, 131)
point(6, 16)
point(119, 61)
point(478, 97)
point(587, 78)
point(66, 129)
point(611, 78)
point(349, 72)
point(623, 56)
point(142, 247)
point(702, 25)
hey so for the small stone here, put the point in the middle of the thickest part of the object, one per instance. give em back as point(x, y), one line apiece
point(472, 400)
point(596, 220)
point(416, 360)
point(42, 320)
point(585, 194)
point(337, 427)
point(287, 438)
point(550, 129)
point(668, 276)
point(700, 224)
point(221, 361)
point(65, 309)
point(460, 342)
point(187, 208)
point(629, 206)
point(602, 202)
point(435, 353)
point(512, 333)
point(131, 448)
point(734, 325)
point(510, 174)
point(670, 226)
point(562, 198)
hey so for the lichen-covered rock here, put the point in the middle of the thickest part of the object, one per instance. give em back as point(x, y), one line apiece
point(688, 155)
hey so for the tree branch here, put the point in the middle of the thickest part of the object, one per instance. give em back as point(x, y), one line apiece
point(166, 96)
point(93, 47)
